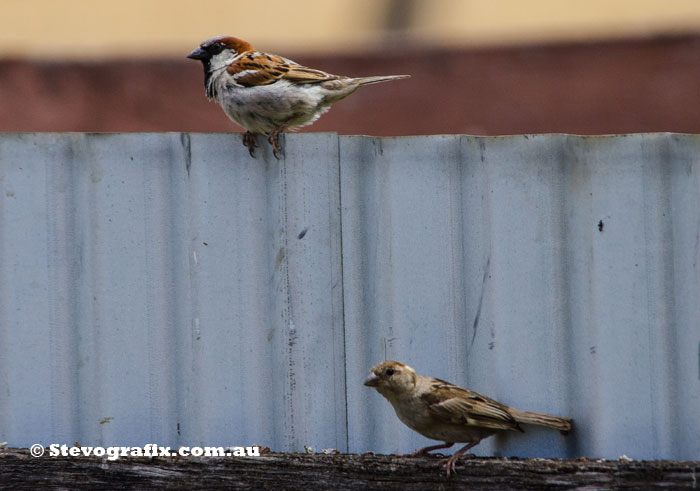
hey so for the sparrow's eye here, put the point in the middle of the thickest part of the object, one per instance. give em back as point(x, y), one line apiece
point(389, 372)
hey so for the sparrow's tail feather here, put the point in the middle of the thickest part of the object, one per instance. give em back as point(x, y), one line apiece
point(379, 78)
point(556, 422)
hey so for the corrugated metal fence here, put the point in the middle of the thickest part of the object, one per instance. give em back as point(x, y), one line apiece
point(167, 288)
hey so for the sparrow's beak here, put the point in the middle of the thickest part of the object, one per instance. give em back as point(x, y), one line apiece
point(372, 380)
point(198, 54)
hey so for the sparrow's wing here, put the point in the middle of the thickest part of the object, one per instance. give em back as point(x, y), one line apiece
point(256, 68)
point(302, 75)
point(460, 406)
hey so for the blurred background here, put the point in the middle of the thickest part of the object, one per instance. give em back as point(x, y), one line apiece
point(478, 67)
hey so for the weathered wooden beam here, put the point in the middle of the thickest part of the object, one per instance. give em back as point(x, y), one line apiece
point(291, 471)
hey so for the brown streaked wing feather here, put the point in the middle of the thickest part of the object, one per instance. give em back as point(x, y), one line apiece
point(301, 74)
point(467, 407)
point(263, 69)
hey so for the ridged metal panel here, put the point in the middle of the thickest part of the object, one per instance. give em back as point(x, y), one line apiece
point(200, 297)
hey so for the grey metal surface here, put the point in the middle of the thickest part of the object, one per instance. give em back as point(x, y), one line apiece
point(196, 296)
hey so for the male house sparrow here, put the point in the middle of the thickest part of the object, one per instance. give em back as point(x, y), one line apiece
point(266, 93)
point(442, 411)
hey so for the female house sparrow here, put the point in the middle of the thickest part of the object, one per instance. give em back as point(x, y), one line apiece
point(266, 93)
point(442, 411)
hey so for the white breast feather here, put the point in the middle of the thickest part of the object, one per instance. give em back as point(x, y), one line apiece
point(261, 109)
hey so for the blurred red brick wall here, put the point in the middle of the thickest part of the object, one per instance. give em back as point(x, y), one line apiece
point(603, 87)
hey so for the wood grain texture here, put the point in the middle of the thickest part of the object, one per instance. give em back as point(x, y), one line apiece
point(290, 471)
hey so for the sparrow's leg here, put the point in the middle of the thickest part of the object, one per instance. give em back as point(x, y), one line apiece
point(249, 141)
point(451, 461)
point(424, 451)
point(274, 139)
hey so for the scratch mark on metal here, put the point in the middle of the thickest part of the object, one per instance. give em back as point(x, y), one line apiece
point(475, 324)
point(280, 258)
point(187, 149)
point(196, 331)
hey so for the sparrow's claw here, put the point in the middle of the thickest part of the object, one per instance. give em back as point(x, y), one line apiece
point(274, 140)
point(450, 464)
point(249, 142)
point(452, 461)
